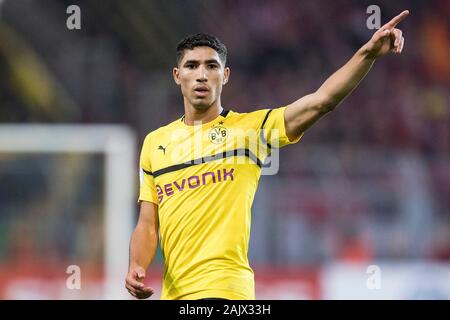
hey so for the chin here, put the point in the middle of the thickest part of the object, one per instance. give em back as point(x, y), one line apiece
point(201, 105)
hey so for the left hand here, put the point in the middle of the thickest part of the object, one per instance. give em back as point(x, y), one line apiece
point(387, 38)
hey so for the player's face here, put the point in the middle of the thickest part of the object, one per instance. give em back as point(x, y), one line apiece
point(201, 76)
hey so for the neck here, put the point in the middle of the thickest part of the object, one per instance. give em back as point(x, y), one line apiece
point(193, 115)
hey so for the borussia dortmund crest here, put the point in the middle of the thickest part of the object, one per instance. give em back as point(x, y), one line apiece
point(218, 134)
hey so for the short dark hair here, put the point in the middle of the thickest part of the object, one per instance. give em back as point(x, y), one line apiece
point(201, 40)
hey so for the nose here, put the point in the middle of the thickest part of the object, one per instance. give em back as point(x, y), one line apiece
point(202, 75)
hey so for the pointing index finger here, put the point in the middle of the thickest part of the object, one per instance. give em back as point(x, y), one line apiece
point(396, 20)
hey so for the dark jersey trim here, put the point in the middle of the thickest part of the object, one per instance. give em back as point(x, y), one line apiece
point(265, 118)
point(224, 113)
point(147, 172)
point(262, 127)
point(226, 154)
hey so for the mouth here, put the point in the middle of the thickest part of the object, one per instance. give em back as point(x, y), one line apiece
point(201, 91)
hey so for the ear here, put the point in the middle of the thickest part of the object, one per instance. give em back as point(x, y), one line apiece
point(226, 75)
point(176, 75)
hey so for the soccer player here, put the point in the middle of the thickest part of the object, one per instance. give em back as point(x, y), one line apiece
point(196, 189)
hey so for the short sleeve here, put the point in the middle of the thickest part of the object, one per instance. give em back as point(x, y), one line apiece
point(274, 129)
point(147, 190)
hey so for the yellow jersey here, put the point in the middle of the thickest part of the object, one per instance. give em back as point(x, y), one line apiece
point(203, 179)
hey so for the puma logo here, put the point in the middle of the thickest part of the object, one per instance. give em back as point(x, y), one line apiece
point(160, 147)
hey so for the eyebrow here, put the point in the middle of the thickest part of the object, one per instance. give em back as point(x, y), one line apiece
point(207, 61)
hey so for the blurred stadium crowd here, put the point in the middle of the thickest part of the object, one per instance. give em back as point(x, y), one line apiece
point(371, 180)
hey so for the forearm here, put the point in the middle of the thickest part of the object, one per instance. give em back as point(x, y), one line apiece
point(343, 81)
point(143, 245)
point(304, 112)
point(307, 110)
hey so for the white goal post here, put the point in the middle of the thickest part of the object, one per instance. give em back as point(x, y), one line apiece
point(117, 142)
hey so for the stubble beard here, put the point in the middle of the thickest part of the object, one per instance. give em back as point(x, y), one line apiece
point(202, 105)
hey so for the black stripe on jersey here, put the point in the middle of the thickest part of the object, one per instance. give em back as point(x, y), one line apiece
point(265, 118)
point(147, 172)
point(226, 154)
point(262, 127)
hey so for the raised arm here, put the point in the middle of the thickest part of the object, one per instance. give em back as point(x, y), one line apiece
point(303, 113)
point(144, 242)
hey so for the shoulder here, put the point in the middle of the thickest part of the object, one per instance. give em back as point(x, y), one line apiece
point(162, 131)
point(252, 118)
point(250, 114)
